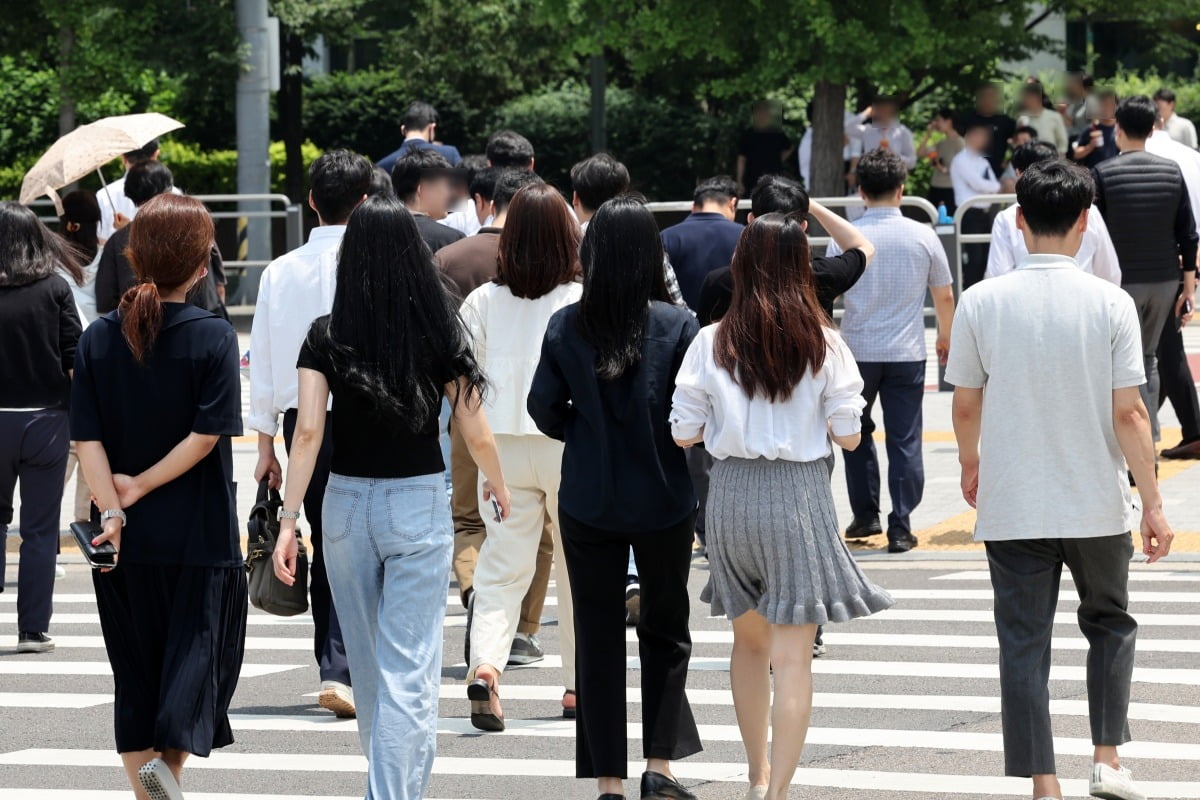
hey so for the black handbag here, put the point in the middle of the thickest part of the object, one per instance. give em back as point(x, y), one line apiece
point(267, 591)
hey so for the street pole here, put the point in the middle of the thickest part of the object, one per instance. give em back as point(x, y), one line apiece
point(253, 115)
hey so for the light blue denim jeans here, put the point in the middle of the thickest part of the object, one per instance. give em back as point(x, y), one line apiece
point(388, 544)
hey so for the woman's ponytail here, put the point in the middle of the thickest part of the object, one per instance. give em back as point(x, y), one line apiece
point(141, 314)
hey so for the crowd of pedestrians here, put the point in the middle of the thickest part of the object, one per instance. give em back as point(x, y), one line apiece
point(477, 376)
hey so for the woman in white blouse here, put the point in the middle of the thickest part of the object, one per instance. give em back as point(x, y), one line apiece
point(537, 274)
point(764, 390)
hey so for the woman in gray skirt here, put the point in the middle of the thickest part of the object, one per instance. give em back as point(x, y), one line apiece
point(765, 389)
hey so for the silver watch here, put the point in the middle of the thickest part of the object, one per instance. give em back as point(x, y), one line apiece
point(284, 514)
point(113, 513)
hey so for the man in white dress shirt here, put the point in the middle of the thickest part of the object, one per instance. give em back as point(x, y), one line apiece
point(1096, 253)
point(115, 207)
point(971, 174)
point(296, 289)
point(1178, 128)
point(882, 131)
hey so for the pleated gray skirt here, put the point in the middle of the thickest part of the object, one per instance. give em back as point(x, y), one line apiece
point(774, 547)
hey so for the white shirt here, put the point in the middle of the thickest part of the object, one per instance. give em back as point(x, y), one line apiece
point(852, 149)
point(1161, 144)
point(898, 137)
point(737, 426)
point(1096, 252)
point(1181, 130)
point(1048, 344)
point(971, 174)
point(463, 218)
point(508, 333)
point(295, 289)
point(113, 201)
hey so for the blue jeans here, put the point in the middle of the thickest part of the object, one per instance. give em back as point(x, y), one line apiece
point(388, 544)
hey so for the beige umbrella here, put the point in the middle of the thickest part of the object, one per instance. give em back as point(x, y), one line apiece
point(88, 148)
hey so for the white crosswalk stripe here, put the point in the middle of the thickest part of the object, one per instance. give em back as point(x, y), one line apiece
point(906, 704)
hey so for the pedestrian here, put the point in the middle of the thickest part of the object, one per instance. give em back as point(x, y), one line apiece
point(603, 387)
point(1178, 128)
point(1144, 200)
point(421, 179)
point(117, 209)
point(294, 290)
point(468, 264)
point(704, 241)
point(388, 352)
point(1007, 249)
point(509, 149)
point(173, 608)
point(1046, 123)
point(941, 189)
point(1098, 142)
point(989, 114)
point(462, 215)
point(763, 147)
point(972, 174)
point(381, 183)
point(114, 273)
point(884, 327)
point(878, 128)
point(1040, 508)
point(40, 325)
point(765, 389)
point(1080, 107)
point(419, 129)
point(537, 274)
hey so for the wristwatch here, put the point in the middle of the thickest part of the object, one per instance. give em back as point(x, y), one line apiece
point(113, 513)
point(283, 514)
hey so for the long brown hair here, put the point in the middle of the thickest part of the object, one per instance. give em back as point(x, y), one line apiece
point(539, 245)
point(774, 332)
point(169, 240)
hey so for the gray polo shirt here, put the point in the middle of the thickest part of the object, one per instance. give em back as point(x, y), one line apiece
point(1048, 344)
point(885, 310)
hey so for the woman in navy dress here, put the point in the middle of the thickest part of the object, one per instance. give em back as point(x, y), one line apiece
point(155, 397)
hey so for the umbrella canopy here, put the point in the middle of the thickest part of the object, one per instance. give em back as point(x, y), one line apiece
point(90, 147)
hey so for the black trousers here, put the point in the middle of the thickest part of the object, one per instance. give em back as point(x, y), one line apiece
point(943, 195)
point(699, 464)
point(975, 220)
point(327, 633)
point(1175, 382)
point(33, 449)
point(1025, 581)
point(900, 389)
point(597, 561)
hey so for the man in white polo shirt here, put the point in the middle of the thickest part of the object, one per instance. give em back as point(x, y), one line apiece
point(1047, 363)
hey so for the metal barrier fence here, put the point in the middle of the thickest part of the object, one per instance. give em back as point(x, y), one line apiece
point(960, 238)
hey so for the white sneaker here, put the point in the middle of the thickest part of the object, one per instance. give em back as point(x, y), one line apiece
point(1114, 784)
point(157, 780)
point(338, 698)
point(60, 572)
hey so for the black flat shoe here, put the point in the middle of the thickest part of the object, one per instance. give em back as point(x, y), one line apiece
point(480, 692)
point(660, 787)
point(864, 528)
point(612, 797)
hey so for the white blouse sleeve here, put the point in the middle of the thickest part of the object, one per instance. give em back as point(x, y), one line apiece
point(691, 405)
point(842, 394)
point(473, 313)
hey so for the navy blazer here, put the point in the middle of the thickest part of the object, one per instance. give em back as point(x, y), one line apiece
point(701, 243)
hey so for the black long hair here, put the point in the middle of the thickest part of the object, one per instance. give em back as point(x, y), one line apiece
point(394, 332)
point(29, 251)
point(79, 221)
point(622, 259)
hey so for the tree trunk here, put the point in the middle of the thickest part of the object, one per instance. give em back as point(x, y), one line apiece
point(66, 103)
point(291, 98)
point(828, 173)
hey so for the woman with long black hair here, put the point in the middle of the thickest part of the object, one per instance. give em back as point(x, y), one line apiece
point(765, 389)
point(603, 386)
point(78, 224)
point(39, 326)
point(392, 347)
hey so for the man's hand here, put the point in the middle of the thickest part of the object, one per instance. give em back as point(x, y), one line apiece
point(268, 467)
point(1156, 534)
point(970, 483)
point(119, 221)
point(943, 348)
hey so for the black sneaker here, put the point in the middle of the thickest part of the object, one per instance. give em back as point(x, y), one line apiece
point(633, 604)
point(901, 542)
point(526, 649)
point(862, 528)
point(30, 642)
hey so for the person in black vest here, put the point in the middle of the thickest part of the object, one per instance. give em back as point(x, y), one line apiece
point(1150, 219)
point(40, 328)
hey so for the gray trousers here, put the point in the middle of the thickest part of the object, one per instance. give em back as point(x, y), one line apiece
point(1025, 580)
point(1155, 304)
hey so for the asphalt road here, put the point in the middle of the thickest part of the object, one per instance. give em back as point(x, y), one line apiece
point(906, 706)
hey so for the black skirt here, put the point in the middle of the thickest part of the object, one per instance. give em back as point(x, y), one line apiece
point(175, 636)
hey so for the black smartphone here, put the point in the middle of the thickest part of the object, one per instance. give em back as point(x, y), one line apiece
point(496, 510)
point(1185, 309)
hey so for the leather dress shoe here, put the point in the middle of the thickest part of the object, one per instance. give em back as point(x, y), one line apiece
point(862, 528)
point(1183, 450)
point(901, 543)
point(660, 787)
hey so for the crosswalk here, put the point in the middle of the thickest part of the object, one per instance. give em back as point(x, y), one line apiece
point(906, 706)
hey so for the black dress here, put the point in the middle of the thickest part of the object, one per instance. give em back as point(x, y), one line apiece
point(173, 613)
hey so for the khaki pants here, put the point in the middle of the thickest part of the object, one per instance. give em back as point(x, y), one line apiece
point(532, 469)
point(83, 495)
point(469, 533)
